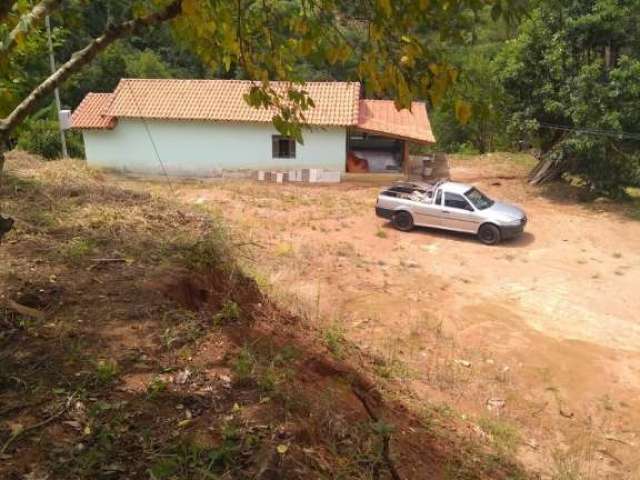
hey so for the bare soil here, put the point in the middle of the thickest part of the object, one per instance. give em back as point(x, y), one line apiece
point(536, 341)
point(151, 353)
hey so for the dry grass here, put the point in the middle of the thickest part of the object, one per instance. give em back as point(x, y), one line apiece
point(136, 380)
point(91, 218)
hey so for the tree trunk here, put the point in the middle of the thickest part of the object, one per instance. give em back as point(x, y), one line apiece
point(5, 223)
point(74, 64)
point(550, 166)
point(547, 169)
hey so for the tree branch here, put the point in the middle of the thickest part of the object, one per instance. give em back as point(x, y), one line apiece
point(41, 10)
point(81, 58)
point(74, 64)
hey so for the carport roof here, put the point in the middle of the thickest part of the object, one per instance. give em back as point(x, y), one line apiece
point(382, 117)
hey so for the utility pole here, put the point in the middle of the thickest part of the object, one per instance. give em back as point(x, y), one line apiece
point(56, 92)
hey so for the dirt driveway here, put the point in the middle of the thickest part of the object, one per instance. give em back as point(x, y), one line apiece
point(538, 338)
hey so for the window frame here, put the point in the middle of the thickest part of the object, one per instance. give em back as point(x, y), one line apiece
point(461, 197)
point(276, 151)
point(438, 199)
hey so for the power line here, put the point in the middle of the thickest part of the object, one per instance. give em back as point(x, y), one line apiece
point(153, 143)
point(593, 131)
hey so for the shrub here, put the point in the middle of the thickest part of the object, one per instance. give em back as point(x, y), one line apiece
point(229, 312)
point(106, 371)
point(42, 137)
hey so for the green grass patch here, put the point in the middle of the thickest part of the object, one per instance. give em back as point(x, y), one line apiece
point(156, 387)
point(244, 365)
point(106, 371)
point(209, 251)
point(77, 249)
point(634, 207)
point(504, 436)
point(334, 339)
point(228, 313)
point(190, 461)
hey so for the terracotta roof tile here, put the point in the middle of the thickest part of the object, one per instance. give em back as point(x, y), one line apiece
point(336, 103)
point(381, 116)
point(90, 113)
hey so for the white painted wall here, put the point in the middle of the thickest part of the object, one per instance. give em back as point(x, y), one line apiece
point(206, 148)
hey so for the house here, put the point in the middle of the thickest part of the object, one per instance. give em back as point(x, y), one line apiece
point(204, 127)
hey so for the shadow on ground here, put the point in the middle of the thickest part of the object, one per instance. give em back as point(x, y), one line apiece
point(138, 349)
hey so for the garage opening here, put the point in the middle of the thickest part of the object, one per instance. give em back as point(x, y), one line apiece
point(379, 142)
point(369, 152)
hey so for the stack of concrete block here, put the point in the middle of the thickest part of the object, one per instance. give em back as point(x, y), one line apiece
point(314, 175)
point(332, 176)
point(307, 175)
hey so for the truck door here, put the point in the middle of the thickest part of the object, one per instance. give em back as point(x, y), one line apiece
point(458, 214)
point(428, 212)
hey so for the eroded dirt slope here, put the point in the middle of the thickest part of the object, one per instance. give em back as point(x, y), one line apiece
point(538, 337)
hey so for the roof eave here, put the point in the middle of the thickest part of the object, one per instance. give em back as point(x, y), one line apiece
point(423, 141)
point(209, 120)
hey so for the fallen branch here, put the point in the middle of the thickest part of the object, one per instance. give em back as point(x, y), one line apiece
point(44, 422)
point(21, 406)
point(108, 260)
point(102, 261)
point(539, 410)
point(611, 438)
point(26, 311)
point(607, 453)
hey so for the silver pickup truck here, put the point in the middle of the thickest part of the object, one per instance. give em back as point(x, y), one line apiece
point(450, 206)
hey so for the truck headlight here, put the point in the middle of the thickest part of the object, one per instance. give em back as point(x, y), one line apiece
point(514, 222)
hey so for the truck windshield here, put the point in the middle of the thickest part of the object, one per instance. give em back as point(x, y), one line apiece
point(479, 199)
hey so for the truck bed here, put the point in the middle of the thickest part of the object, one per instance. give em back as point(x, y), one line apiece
point(416, 191)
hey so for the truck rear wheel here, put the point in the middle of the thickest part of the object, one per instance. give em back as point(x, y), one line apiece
point(402, 220)
point(489, 234)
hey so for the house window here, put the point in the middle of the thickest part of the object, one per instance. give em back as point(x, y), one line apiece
point(283, 147)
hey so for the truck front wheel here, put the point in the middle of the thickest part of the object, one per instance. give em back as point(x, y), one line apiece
point(489, 234)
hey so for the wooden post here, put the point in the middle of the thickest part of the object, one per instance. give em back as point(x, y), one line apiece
point(405, 158)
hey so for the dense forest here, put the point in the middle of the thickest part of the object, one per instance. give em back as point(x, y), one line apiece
point(560, 79)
